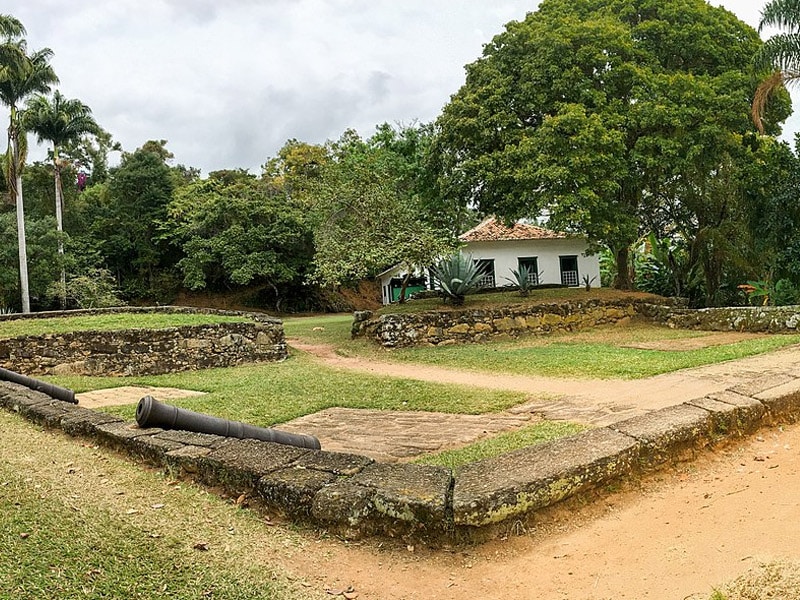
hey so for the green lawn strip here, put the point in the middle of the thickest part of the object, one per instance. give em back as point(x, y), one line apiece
point(51, 550)
point(501, 444)
point(273, 393)
point(585, 360)
point(108, 322)
point(595, 353)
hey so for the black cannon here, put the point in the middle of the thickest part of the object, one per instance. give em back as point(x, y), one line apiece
point(54, 391)
point(152, 413)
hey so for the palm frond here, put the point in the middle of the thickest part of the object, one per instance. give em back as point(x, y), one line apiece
point(784, 14)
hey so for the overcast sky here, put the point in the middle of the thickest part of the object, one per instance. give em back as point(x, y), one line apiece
point(228, 82)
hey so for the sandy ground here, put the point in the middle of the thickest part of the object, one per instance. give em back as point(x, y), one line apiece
point(674, 535)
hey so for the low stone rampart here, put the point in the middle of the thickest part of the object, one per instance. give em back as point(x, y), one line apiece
point(354, 496)
point(478, 325)
point(754, 319)
point(445, 327)
point(146, 351)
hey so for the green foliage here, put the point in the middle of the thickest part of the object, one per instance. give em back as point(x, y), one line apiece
point(367, 214)
point(43, 262)
point(125, 225)
point(457, 275)
point(235, 230)
point(522, 279)
point(96, 289)
point(607, 115)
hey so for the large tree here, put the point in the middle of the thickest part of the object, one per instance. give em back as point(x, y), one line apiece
point(368, 216)
point(236, 230)
point(589, 110)
point(59, 121)
point(21, 75)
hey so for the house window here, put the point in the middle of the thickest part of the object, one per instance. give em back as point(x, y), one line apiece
point(486, 267)
point(569, 270)
point(532, 264)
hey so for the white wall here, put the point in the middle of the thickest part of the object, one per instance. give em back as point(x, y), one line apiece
point(547, 252)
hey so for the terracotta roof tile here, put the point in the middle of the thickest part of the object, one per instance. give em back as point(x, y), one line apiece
point(491, 230)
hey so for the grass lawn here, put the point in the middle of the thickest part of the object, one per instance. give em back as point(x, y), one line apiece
point(501, 444)
point(599, 353)
point(272, 393)
point(108, 322)
point(77, 522)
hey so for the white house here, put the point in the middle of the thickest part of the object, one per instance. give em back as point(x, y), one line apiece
point(550, 256)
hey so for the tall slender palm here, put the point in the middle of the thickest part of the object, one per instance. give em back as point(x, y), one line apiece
point(23, 75)
point(59, 121)
point(779, 54)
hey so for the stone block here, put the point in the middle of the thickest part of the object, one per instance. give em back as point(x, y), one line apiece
point(668, 433)
point(292, 490)
point(729, 419)
point(186, 458)
point(520, 482)
point(344, 507)
point(782, 401)
point(762, 383)
point(192, 438)
point(239, 464)
point(750, 413)
point(338, 463)
point(83, 422)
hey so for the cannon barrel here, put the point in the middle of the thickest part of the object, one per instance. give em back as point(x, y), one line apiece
point(54, 391)
point(152, 413)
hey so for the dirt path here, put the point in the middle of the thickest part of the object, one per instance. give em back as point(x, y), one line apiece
point(592, 401)
point(675, 535)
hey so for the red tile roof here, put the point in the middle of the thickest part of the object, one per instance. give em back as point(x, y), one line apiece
point(491, 230)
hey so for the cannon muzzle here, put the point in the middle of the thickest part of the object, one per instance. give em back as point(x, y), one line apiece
point(152, 413)
point(54, 391)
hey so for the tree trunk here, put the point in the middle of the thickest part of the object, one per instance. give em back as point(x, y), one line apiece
point(15, 180)
point(62, 291)
point(622, 280)
point(403, 288)
point(23, 249)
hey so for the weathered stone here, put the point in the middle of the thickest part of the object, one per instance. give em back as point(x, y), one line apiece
point(460, 329)
point(147, 352)
point(186, 458)
point(338, 463)
point(292, 490)
point(239, 464)
point(411, 493)
point(753, 387)
point(728, 419)
point(344, 507)
point(483, 328)
point(189, 437)
point(667, 433)
point(782, 401)
point(493, 490)
point(83, 421)
point(504, 325)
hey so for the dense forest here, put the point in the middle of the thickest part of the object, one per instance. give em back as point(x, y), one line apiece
point(650, 128)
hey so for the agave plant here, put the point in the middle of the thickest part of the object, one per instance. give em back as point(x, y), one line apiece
point(522, 279)
point(457, 275)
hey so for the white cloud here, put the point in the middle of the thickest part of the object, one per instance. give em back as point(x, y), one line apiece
point(226, 83)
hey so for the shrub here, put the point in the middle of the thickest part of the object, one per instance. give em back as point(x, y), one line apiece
point(457, 275)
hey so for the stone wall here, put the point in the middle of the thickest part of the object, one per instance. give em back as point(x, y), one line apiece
point(354, 496)
point(470, 325)
point(478, 325)
point(755, 319)
point(146, 351)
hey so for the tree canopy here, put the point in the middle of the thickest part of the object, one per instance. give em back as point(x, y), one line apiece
point(591, 111)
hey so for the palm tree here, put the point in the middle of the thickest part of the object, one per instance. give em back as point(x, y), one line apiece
point(23, 74)
point(59, 122)
point(779, 54)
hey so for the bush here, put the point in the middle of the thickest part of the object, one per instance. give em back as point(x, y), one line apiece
point(458, 275)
